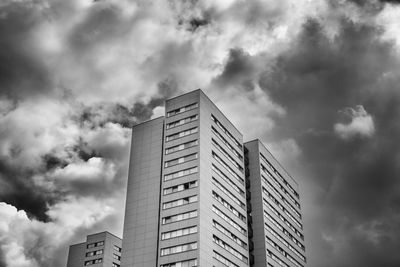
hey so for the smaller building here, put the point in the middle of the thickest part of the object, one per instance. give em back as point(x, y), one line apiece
point(100, 249)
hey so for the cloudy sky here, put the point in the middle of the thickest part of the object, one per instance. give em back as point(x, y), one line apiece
point(320, 80)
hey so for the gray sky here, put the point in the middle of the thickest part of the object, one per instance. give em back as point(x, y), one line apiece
point(317, 81)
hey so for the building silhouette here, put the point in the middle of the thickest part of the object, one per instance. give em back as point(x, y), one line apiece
point(198, 196)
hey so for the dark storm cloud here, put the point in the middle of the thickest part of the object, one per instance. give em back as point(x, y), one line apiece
point(313, 82)
point(22, 73)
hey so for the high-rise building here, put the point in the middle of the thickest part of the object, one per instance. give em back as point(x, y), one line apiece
point(100, 250)
point(188, 200)
point(275, 216)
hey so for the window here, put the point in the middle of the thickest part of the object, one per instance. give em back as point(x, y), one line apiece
point(283, 219)
point(97, 244)
point(178, 249)
point(180, 160)
point(283, 252)
point(116, 248)
point(275, 258)
point(115, 265)
point(95, 261)
point(224, 260)
point(179, 188)
point(217, 158)
point(179, 232)
point(179, 202)
point(179, 217)
point(231, 148)
point(182, 121)
point(180, 147)
point(226, 132)
point(182, 109)
point(228, 193)
point(228, 206)
point(226, 178)
point(223, 151)
point(180, 134)
point(228, 220)
point(226, 232)
point(229, 249)
point(187, 263)
point(117, 257)
point(179, 174)
point(93, 253)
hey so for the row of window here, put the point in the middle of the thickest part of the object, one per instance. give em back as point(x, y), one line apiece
point(117, 257)
point(180, 187)
point(115, 265)
point(93, 253)
point(180, 160)
point(283, 252)
point(182, 109)
point(268, 183)
point(181, 134)
point(231, 148)
point(229, 157)
point(280, 186)
point(272, 168)
point(276, 258)
point(116, 248)
point(179, 217)
point(228, 220)
point(273, 199)
point(283, 241)
point(283, 219)
point(179, 232)
point(230, 249)
point(286, 232)
point(228, 193)
point(182, 121)
point(181, 147)
point(178, 249)
point(227, 179)
point(96, 244)
point(180, 202)
point(226, 132)
point(186, 263)
point(180, 174)
point(229, 169)
point(224, 260)
point(95, 261)
point(228, 233)
point(228, 206)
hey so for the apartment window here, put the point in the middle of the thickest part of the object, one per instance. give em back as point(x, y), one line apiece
point(226, 132)
point(116, 248)
point(93, 253)
point(228, 248)
point(228, 193)
point(96, 244)
point(223, 151)
point(179, 188)
point(179, 232)
point(117, 257)
point(178, 249)
point(227, 179)
point(283, 252)
point(179, 217)
point(179, 174)
point(181, 134)
point(179, 202)
point(182, 109)
point(180, 147)
point(224, 260)
point(226, 232)
point(228, 206)
point(182, 121)
point(115, 265)
point(276, 259)
point(283, 219)
point(95, 261)
point(186, 263)
point(228, 220)
point(229, 169)
point(180, 160)
point(231, 148)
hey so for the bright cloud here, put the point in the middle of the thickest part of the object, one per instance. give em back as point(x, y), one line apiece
point(361, 124)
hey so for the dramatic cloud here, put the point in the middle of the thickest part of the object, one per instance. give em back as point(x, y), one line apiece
point(361, 124)
point(319, 80)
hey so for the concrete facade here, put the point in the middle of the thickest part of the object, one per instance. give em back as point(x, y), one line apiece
point(195, 199)
point(100, 250)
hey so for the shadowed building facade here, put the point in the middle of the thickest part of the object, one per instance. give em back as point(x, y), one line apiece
point(188, 198)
